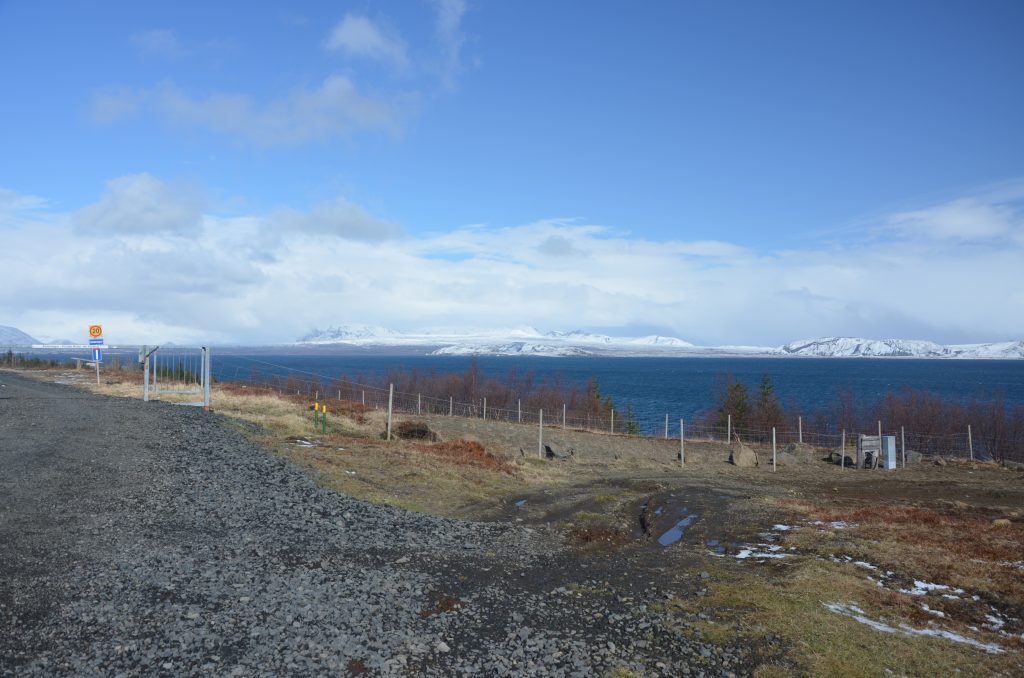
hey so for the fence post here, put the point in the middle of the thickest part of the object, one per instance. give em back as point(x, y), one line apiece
point(207, 377)
point(563, 415)
point(799, 429)
point(682, 444)
point(451, 405)
point(903, 447)
point(391, 395)
point(613, 421)
point(773, 449)
point(519, 407)
point(970, 442)
point(842, 455)
point(485, 408)
point(145, 374)
point(728, 428)
point(363, 397)
point(540, 436)
point(419, 403)
point(666, 427)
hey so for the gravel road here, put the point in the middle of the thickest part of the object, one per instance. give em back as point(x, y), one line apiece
point(153, 539)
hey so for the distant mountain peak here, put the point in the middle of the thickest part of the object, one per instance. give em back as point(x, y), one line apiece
point(344, 333)
point(12, 336)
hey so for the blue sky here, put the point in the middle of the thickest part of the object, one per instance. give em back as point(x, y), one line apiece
point(725, 172)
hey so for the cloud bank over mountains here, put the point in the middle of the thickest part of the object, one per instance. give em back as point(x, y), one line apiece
point(157, 260)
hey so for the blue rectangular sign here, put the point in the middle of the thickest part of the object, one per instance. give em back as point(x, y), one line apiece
point(97, 355)
point(96, 342)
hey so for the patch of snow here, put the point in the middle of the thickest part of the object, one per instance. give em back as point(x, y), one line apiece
point(751, 553)
point(854, 612)
point(781, 528)
point(866, 566)
point(922, 588)
point(995, 622)
point(991, 648)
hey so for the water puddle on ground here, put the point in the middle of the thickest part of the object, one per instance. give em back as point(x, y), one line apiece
point(677, 531)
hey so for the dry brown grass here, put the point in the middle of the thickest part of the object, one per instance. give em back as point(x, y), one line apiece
point(468, 453)
point(955, 544)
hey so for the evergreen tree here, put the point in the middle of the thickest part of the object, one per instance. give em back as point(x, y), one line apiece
point(733, 400)
point(768, 411)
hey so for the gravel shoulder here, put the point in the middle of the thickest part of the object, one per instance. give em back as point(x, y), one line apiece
point(153, 539)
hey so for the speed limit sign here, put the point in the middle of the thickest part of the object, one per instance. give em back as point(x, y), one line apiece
point(95, 331)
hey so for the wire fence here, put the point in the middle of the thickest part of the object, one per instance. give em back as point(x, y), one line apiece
point(317, 386)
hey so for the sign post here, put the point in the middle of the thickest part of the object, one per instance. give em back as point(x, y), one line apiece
point(96, 339)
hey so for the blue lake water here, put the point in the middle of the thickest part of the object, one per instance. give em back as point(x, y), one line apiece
point(681, 387)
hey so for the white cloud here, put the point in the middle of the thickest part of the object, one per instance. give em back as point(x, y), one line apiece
point(339, 218)
point(358, 36)
point(141, 204)
point(266, 278)
point(12, 204)
point(964, 219)
point(448, 29)
point(160, 42)
point(334, 109)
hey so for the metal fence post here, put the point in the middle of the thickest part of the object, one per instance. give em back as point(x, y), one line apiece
point(970, 442)
point(206, 376)
point(728, 428)
point(145, 374)
point(773, 449)
point(485, 408)
point(666, 427)
point(613, 421)
point(800, 429)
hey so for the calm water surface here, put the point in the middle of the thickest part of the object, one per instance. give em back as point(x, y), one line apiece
point(683, 387)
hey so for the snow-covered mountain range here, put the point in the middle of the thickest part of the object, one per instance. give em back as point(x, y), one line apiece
point(531, 341)
point(849, 347)
point(513, 341)
point(12, 336)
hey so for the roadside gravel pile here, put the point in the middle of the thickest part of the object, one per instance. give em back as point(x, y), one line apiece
point(150, 539)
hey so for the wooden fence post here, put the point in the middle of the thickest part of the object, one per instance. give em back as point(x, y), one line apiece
point(842, 455)
point(540, 435)
point(391, 396)
point(773, 449)
point(485, 408)
point(682, 444)
point(903, 447)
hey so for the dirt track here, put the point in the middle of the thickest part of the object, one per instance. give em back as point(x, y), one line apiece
point(148, 539)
